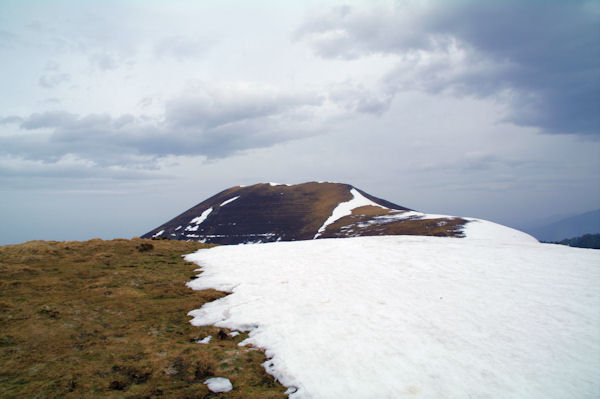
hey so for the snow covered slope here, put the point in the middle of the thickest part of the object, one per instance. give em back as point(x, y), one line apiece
point(411, 316)
point(478, 229)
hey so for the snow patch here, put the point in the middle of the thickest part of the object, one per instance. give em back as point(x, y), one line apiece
point(219, 384)
point(158, 234)
point(345, 209)
point(478, 229)
point(229, 201)
point(204, 340)
point(202, 217)
point(435, 318)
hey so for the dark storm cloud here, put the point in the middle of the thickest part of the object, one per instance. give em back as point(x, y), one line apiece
point(214, 126)
point(543, 57)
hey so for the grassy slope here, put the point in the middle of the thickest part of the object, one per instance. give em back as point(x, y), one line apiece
point(441, 227)
point(102, 319)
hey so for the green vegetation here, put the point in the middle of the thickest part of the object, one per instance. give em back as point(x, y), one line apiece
point(108, 319)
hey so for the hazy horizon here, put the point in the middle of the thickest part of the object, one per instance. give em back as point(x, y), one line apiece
point(117, 116)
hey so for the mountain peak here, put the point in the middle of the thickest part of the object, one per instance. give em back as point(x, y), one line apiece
point(268, 212)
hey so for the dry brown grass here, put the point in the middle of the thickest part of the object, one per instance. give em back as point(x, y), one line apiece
point(307, 205)
point(358, 222)
point(108, 319)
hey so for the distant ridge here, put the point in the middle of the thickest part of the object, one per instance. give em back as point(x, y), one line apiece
point(574, 226)
point(270, 212)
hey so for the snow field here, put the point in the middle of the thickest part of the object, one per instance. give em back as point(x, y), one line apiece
point(425, 317)
point(478, 229)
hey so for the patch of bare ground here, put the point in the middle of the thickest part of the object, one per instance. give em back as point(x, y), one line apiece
point(108, 319)
point(367, 221)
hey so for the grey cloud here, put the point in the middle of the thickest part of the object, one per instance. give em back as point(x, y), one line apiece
point(197, 127)
point(360, 99)
point(52, 66)
point(211, 109)
point(475, 162)
point(49, 119)
point(542, 57)
point(104, 61)
point(146, 101)
point(7, 38)
point(51, 100)
point(52, 80)
point(346, 32)
point(10, 119)
point(15, 168)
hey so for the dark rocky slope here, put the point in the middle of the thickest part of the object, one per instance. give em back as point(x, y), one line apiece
point(269, 212)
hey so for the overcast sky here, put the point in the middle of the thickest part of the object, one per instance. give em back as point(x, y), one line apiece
point(116, 116)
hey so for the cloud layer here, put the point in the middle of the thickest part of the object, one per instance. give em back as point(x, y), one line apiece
point(211, 122)
point(541, 58)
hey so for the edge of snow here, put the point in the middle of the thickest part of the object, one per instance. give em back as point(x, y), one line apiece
point(202, 217)
point(479, 229)
point(346, 208)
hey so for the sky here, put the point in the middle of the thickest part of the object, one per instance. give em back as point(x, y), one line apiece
point(116, 116)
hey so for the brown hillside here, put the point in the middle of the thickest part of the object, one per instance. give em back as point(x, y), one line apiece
point(262, 213)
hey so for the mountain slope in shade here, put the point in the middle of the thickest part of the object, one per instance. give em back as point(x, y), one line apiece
point(574, 226)
point(277, 212)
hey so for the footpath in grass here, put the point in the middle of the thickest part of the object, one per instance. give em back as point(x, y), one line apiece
point(109, 319)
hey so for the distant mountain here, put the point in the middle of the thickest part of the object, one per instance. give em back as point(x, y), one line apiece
point(574, 226)
point(277, 212)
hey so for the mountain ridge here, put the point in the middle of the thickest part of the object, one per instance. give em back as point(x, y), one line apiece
point(268, 212)
point(568, 227)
